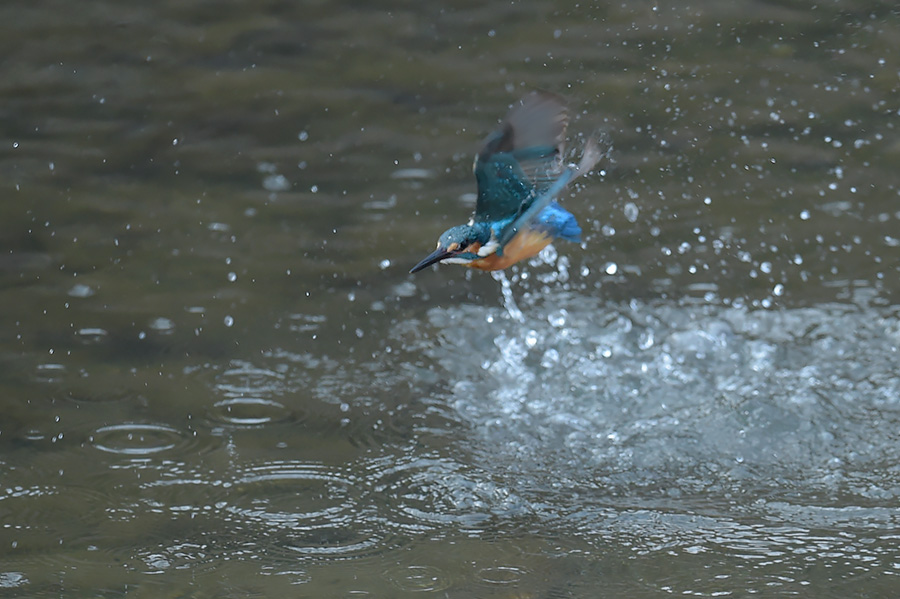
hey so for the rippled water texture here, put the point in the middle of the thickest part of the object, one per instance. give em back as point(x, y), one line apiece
point(218, 379)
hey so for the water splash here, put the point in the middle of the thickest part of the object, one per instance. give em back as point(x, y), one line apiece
point(691, 400)
point(509, 300)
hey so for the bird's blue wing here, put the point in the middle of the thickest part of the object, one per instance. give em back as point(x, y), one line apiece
point(521, 159)
point(502, 187)
point(530, 210)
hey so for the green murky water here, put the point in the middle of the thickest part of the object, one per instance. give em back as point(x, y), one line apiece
point(219, 381)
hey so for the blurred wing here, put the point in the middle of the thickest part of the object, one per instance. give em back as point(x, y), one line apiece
point(523, 157)
point(530, 212)
point(530, 209)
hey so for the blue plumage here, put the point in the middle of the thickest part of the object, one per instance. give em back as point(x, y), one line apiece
point(558, 222)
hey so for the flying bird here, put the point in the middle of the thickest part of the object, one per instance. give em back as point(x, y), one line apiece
point(520, 172)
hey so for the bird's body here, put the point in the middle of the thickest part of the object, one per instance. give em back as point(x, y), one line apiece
point(520, 173)
point(553, 222)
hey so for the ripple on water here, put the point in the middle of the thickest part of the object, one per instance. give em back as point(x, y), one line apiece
point(12, 580)
point(137, 439)
point(306, 509)
point(249, 411)
point(720, 555)
point(501, 575)
point(428, 494)
point(290, 494)
point(418, 579)
point(38, 521)
point(90, 393)
point(50, 372)
point(100, 384)
point(246, 379)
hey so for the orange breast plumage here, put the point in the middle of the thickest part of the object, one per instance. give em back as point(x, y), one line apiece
point(525, 244)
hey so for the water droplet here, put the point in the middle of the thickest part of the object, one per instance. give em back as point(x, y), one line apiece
point(550, 358)
point(162, 324)
point(558, 318)
point(80, 290)
point(276, 183)
point(412, 174)
point(631, 211)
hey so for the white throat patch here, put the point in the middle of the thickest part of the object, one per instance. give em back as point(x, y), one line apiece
point(455, 260)
point(489, 248)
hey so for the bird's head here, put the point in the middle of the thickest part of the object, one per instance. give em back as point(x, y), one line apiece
point(457, 245)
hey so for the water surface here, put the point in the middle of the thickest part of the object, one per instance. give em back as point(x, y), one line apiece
point(219, 380)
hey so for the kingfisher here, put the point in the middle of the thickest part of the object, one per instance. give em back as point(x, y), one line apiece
point(520, 172)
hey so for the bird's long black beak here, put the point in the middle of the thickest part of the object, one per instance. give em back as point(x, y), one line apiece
point(435, 256)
